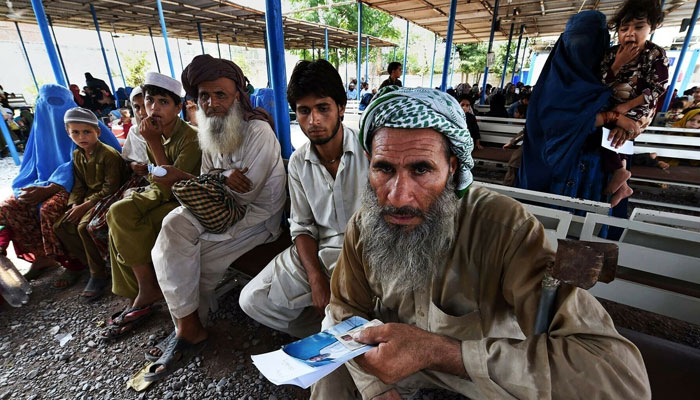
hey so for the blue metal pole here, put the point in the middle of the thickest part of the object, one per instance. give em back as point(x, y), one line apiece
point(359, 45)
point(119, 63)
point(522, 61)
point(275, 41)
point(26, 55)
point(432, 68)
point(104, 53)
point(448, 43)
point(505, 64)
point(155, 53)
point(267, 59)
point(9, 141)
point(346, 67)
point(486, 69)
point(179, 53)
point(230, 54)
point(164, 31)
point(405, 57)
point(50, 47)
point(533, 59)
point(325, 37)
point(58, 48)
point(517, 53)
point(689, 71)
point(313, 50)
point(201, 39)
point(394, 57)
point(218, 48)
point(367, 60)
point(686, 43)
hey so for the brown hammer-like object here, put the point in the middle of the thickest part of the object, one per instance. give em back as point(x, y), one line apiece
point(578, 263)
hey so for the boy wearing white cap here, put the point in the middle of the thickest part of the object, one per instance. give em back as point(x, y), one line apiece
point(135, 221)
point(98, 172)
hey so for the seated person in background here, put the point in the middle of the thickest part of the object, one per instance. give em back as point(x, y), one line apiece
point(238, 141)
point(465, 101)
point(520, 111)
point(40, 190)
point(637, 72)
point(395, 69)
point(695, 102)
point(98, 172)
point(456, 273)
point(125, 120)
point(674, 113)
point(352, 93)
point(497, 106)
point(524, 99)
point(134, 222)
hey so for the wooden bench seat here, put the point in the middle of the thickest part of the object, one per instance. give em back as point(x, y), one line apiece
point(497, 154)
point(678, 174)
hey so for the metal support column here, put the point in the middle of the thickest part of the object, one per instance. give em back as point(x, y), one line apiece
point(452, 64)
point(155, 53)
point(164, 31)
point(359, 46)
point(275, 41)
point(58, 48)
point(346, 68)
point(218, 48)
point(50, 47)
point(394, 57)
point(325, 37)
point(313, 50)
point(119, 63)
point(448, 43)
point(432, 68)
point(267, 59)
point(26, 55)
point(104, 54)
point(367, 60)
point(505, 64)
point(404, 67)
point(522, 61)
point(486, 69)
point(517, 53)
point(230, 54)
point(201, 39)
point(9, 141)
point(179, 53)
point(686, 43)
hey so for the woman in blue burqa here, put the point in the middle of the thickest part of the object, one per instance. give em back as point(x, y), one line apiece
point(561, 149)
point(42, 187)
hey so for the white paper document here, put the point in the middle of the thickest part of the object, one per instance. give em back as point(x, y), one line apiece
point(306, 361)
point(627, 148)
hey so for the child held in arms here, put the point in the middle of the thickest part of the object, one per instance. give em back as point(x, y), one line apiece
point(636, 70)
point(98, 171)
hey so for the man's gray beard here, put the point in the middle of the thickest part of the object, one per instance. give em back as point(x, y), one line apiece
point(220, 135)
point(404, 260)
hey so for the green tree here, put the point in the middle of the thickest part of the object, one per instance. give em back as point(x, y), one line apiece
point(374, 23)
point(136, 65)
point(472, 57)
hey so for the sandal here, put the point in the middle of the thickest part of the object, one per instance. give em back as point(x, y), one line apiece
point(68, 276)
point(94, 289)
point(117, 327)
point(178, 353)
point(162, 345)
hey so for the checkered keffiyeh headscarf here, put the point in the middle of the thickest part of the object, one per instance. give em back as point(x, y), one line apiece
point(415, 108)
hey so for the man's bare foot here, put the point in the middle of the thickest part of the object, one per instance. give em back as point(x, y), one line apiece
point(622, 193)
point(619, 177)
point(147, 297)
point(663, 164)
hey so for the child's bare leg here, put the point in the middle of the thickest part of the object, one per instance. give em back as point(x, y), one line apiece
point(622, 193)
point(619, 177)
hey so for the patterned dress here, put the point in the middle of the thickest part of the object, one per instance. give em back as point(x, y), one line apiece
point(647, 76)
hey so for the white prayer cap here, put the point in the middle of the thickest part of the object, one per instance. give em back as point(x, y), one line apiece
point(137, 91)
point(81, 116)
point(163, 81)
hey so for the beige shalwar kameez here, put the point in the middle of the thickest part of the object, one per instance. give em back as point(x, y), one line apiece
point(486, 296)
point(280, 295)
point(189, 261)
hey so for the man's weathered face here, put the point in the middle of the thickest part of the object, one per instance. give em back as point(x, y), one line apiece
point(408, 171)
point(217, 97)
point(319, 118)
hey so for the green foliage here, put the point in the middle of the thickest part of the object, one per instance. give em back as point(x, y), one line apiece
point(472, 57)
point(374, 23)
point(136, 65)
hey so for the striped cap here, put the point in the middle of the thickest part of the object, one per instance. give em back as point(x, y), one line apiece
point(80, 115)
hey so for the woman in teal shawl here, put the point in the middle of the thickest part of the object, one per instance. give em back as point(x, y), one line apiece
point(41, 189)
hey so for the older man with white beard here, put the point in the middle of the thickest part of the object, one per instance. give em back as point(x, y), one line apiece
point(189, 261)
point(455, 273)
